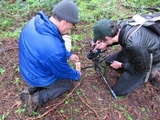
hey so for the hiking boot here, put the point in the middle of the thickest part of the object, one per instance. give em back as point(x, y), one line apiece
point(31, 89)
point(29, 100)
point(155, 78)
point(24, 95)
point(34, 99)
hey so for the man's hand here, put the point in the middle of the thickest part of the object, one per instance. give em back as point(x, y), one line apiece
point(116, 65)
point(74, 58)
point(99, 45)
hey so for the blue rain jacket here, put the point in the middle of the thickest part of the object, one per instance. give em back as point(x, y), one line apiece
point(42, 53)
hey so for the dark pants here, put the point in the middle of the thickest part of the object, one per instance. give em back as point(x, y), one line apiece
point(52, 91)
point(128, 81)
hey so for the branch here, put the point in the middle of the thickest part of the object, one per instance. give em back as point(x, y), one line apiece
point(90, 108)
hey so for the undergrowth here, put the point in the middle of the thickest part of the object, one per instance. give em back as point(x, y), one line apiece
point(14, 15)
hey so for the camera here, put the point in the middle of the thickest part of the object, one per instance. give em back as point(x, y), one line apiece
point(93, 54)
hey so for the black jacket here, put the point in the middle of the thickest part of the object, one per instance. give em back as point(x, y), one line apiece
point(138, 48)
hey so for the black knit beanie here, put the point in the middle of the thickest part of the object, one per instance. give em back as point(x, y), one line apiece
point(67, 10)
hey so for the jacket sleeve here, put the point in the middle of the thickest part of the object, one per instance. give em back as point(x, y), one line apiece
point(59, 67)
point(68, 54)
point(140, 59)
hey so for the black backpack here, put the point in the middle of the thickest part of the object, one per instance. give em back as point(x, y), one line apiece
point(150, 21)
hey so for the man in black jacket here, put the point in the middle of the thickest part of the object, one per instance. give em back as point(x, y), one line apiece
point(138, 58)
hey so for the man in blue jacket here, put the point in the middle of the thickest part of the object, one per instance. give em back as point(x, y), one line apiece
point(43, 55)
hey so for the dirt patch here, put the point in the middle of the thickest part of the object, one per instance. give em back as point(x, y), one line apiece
point(89, 99)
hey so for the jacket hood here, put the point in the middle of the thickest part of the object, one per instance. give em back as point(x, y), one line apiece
point(44, 26)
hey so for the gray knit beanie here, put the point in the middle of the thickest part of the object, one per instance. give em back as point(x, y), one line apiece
point(67, 10)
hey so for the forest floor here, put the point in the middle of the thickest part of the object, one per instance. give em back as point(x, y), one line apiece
point(89, 99)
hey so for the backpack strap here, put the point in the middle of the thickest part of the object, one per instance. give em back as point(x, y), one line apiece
point(149, 72)
point(137, 22)
point(132, 30)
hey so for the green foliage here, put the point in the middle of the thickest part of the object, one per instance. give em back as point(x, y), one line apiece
point(122, 109)
point(141, 5)
point(69, 100)
point(62, 111)
point(20, 110)
point(2, 71)
point(2, 117)
point(33, 113)
point(95, 9)
point(6, 23)
point(15, 15)
point(76, 38)
point(16, 68)
point(145, 111)
point(16, 81)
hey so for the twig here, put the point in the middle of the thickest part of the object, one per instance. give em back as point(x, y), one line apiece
point(90, 108)
point(106, 116)
point(56, 105)
point(62, 118)
point(10, 110)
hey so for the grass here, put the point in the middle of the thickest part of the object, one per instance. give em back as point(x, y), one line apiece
point(123, 110)
point(15, 15)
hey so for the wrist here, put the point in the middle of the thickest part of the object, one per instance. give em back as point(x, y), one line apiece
point(121, 65)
